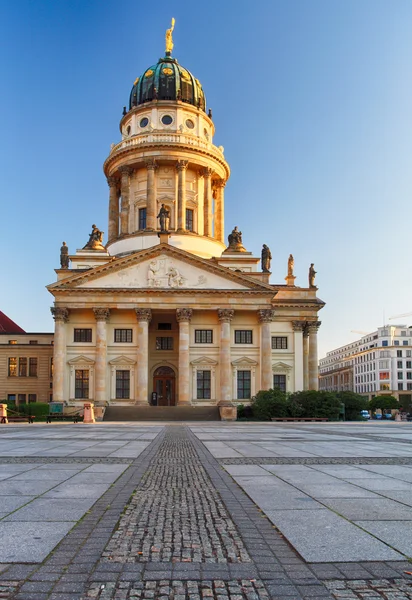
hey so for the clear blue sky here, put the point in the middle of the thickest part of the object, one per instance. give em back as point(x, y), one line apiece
point(312, 101)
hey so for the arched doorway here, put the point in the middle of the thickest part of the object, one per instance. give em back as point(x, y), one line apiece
point(164, 386)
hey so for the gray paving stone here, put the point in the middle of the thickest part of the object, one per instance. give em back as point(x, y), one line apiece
point(30, 542)
point(81, 490)
point(370, 509)
point(48, 509)
point(395, 533)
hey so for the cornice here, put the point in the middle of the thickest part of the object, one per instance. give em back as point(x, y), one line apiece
point(159, 292)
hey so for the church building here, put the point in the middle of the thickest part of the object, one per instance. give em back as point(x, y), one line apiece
point(170, 311)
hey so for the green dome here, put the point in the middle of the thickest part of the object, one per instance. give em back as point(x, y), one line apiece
point(167, 81)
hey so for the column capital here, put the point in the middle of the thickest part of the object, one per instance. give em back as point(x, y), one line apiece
point(313, 326)
point(143, 314)
point(219, 183)
point(59, 313)
point(101, 313)
point(299, 325)
point(181, 165)
point(266, 315)
point(151, 164)
point(125, 170)
point(183, 314)
point(225, 314)
point(206, 172)
point(112, 182)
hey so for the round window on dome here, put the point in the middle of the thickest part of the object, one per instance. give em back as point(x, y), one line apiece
point(167, 120)
point(190, 124)
point(144, 122)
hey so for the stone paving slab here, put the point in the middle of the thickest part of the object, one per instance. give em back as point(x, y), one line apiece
point(369, 509)
point(30, 542)
point(395, 533)
point(51, 510)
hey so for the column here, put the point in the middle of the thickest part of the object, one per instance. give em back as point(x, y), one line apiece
point(60, 316)
point(298, 327)
point(207, 202)
point(125, 193)
point(144, 316)
point(265, 317)
point(113, 209)
point(183, 316)
point(181, 167)
point(101, 315)
point(219, 210)
point(151, 195)
point(313, 355)
point(305, 356)
point(225, 317)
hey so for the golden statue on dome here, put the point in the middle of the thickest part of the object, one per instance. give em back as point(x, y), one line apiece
point(169, 39)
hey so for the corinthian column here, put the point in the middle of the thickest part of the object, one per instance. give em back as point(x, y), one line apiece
point(298, 328)
point(113, 209)
point(144, 316)
point(125, 192)
point(151, 194)
point(60, 316)
point(305, 356)
point(219, 185)
point(183, 316)
point(181, 167)
point(313, 355)
point(225, 317)
point(101, 316)
point(265, 318)
point(207, 202)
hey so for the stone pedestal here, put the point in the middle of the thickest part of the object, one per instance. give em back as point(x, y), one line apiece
point(88, 417)
point(228, 412)
point(3, 413)
point(183, 316)
point(290, 279)
point(164, 237)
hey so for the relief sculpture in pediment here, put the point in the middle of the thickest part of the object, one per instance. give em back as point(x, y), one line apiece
point(162, 273)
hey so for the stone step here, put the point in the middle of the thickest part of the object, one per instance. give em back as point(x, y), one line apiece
point(162, 413)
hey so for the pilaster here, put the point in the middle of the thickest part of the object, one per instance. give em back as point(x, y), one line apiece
point(183, 317)
point(181, 167)
point(125, 193)
point(113, 232)
point(219, 233)
point(207, 201)
point(151, 166)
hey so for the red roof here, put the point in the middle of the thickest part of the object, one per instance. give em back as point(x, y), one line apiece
point(9, 326)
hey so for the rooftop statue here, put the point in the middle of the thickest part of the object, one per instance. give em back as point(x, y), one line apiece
point(164, 217)
point(169, 39)
point(291, 264)
point(95, 240)
point(235, 241)
point(266, 258)
point(312, 275)
point(64, 256)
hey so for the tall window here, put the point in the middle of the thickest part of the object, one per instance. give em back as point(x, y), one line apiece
point(203, 336)
point(164, 343)
point(122, 385)
point(279, 343)
point(21, 398)
point(203, 385)
point(82, 335)
point(81, 387)
point(32, 367)
point(23, 367)
point(13, 366)
point(142, 218)
point(189, 219)
point(32, 398)
point(279, 381)
point(123, 335)
point(399, 353)
point(243, 336)
point(243, 385)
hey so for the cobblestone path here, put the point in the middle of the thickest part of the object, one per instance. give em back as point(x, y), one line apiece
point(175, 526)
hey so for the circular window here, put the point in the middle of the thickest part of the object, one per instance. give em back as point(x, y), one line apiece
point(190, 124)
point(144, 122)
point(167, 120)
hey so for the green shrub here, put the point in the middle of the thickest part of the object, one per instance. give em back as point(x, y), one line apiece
point(240, 411)
point(317, 404)
point(384, 403)
point(270, 403)
point(37, 409)
point(354, 403)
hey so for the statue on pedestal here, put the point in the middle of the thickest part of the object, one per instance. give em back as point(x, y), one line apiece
point(291, 264)
point(266, 258)
point(164, 217)
point(235, 241)
point(312, 275)
point(95, 240)
point(64, 256)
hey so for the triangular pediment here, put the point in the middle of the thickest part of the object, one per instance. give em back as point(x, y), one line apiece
point(162, 268)
point(281, 366)
point(122, 360)
point(244, 361)
point(81, 360)
point(204, 360)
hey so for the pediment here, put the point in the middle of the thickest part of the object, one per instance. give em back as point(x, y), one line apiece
point(81, 360)
point(244, 361)
point(122, 360)
point(281, 367)
point(204, 360)
point(162, 268)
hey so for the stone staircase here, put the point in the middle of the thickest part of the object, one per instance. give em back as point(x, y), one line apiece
point(161, 413)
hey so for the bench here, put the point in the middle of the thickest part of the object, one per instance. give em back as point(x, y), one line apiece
point(11, 419)
point(311, 419)
point(73, 418)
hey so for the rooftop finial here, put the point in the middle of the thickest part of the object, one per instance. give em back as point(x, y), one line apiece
point(169, 39)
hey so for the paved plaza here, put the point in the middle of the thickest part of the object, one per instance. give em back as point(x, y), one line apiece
point(206, 510)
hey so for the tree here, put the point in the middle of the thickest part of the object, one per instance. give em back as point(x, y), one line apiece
point(317, 404)
point(270, 403)
point(383, 403)
point(354, 403)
